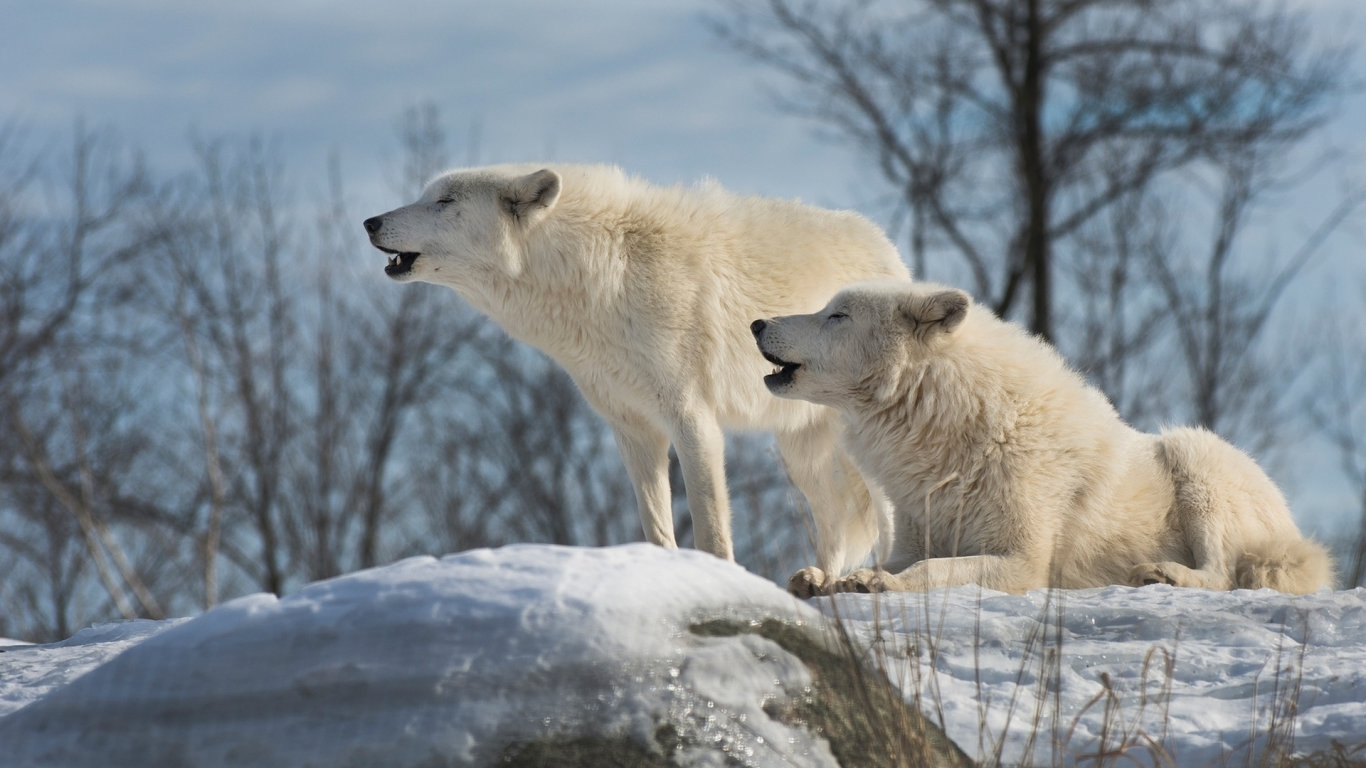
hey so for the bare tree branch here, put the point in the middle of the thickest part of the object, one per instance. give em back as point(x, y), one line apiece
point(1056, 109)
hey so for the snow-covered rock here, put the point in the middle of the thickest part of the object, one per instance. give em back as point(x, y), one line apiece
point(458, 661)
point(431, 662)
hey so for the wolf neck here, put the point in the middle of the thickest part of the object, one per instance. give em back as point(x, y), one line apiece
point(932, 394)
point(561, 293)
point(937, 422)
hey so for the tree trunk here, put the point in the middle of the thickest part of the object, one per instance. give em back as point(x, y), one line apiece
point(1037, 254)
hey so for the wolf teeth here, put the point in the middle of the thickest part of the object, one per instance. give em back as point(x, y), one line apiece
point(393, 261)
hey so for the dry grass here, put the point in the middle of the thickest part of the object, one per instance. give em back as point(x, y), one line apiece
point(1131, 733)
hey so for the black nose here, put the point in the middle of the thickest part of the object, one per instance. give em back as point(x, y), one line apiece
point(373, 224)
point(757, 327)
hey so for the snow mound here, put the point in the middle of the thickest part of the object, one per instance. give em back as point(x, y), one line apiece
point(1241, 661)
point(440, 662)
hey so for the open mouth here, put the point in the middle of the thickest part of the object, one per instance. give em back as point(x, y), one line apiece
point(783, 376)
point(400, 263)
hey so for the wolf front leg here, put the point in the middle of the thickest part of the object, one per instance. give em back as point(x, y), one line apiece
point(645, 450)
point(701, 451)
point(999, 572)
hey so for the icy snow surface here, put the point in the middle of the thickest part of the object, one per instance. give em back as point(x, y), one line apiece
point(435, 662)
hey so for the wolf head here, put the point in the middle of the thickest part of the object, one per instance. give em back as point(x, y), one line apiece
point(466, 222)
point(860, 343)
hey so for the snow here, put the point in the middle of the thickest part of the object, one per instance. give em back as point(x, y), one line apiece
point(449, 661)
point(1238, 658)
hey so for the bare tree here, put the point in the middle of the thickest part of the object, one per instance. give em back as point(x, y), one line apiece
point(71, 451)
point(229, 264)
point(46, 566)
point(532, 457)
point(1337, 409)
point(1008, 125)
point(303, 390)
point(52, 264)
point(1221, 313)
point(408, 336)
point(208, 423)
point(1119, 317)
point(83, 502)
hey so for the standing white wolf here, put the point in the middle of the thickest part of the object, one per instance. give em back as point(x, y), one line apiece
point(1007, 470)
point(645, 295)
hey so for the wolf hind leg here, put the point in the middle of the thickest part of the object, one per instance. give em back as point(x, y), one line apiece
point(1234, 522)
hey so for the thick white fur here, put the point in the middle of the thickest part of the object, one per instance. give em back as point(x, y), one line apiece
point(645, 295)
point(1007, 470)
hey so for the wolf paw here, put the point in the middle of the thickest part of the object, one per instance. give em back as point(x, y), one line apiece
point(1152, 573)
point(864, 580)
point(808, 582)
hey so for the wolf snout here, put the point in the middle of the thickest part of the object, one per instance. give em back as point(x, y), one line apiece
point(757, 328)
point(373, 224)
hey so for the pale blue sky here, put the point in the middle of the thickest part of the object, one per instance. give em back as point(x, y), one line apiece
point(636, 82)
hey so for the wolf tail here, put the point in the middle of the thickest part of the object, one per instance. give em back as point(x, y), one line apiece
point(1297, 566)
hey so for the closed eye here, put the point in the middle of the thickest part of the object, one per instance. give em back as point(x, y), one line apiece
point(836, 316)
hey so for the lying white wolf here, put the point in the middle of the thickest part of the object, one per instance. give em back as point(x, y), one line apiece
point(645, 296)
point(1007, 470)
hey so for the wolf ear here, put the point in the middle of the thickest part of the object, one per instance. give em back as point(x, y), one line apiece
point(529, 197)
point(943, 311)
